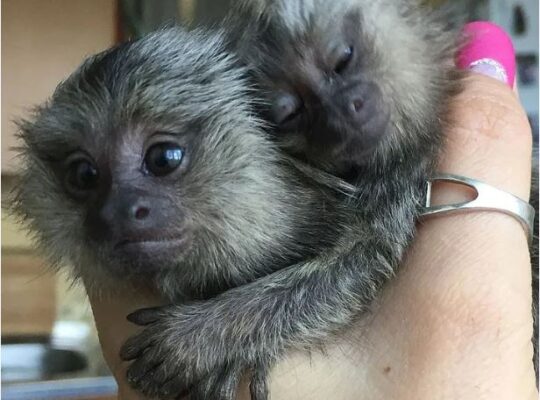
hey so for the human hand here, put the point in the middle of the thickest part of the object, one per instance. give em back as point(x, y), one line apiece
point(456, 321)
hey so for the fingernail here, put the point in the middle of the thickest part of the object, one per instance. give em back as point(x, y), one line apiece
point(488, 51)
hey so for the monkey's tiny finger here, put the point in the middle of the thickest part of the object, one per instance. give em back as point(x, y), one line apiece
point(134, 347)
point(173, 389)
point(144, 316)
point(130, 352)
point(183, 396)
point(228, 385)
point(258, 387)
point(141, 370)
point(201, 390)
point(169, 371)
point(148, 387)
point(216, 386)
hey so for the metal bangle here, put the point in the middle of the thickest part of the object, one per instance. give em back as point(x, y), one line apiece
point(487, 198)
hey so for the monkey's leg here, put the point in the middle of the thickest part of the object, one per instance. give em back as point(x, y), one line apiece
point(254, 324)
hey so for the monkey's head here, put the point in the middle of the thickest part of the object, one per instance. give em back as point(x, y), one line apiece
point(148, 160)
point(349, 82)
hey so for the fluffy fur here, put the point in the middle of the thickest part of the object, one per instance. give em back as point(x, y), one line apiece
point(299, 259)
point(406, 56)
point(247, 209)
point(244, 208)
point(403, 57)
point(403, 66)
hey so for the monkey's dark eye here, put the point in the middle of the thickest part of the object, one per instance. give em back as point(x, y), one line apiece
point(82, 176)
point(344, 58)
point(163, 158)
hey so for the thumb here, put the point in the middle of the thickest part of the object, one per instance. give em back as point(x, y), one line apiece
point(466, 283)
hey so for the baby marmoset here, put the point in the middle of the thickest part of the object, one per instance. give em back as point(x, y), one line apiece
point(149, 153)
point(357, 88)
point(148, 167)
point(360, 88)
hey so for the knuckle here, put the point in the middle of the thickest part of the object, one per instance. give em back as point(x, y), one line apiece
point(489, 109)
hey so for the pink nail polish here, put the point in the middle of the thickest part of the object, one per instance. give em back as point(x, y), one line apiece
point(489, 51)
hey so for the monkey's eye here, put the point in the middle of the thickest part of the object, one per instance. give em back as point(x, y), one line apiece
point(82, 176)
point(163, 158)
point(287, 108)
point(344, 58)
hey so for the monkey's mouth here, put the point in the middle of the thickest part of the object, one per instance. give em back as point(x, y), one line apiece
point(140, 243)
point(151, 249)
point(147, 254)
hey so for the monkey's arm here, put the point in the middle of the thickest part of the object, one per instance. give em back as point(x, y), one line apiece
point(249, 327)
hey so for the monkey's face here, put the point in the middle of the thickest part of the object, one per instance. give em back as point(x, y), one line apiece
point(148, 159)
point(127, 189)
point(349, 81)
point(322, 98)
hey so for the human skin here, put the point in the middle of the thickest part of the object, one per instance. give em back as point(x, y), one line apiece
point(456, 321)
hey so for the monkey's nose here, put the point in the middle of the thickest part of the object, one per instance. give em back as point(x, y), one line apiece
point(140, 212)
point(130, 215)
point(356, 105)
point(136, 211)
point(127, 208)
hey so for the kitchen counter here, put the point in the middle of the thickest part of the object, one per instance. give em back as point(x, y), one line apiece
point(103, 388)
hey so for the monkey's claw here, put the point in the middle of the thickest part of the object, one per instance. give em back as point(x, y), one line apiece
point(160, 366)
point(175, 354)
point(144, 316)
point(223, 385)
point(220, 385)
point(258, 387)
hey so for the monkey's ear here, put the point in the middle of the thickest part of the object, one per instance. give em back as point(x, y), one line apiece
point(41, 140)
point(145, 316)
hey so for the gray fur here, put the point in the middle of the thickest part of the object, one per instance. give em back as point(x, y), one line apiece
point(289, 260)
point(243, 198)
point(248, 208)
point(408, 53)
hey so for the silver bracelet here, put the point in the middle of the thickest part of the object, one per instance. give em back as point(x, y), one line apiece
point(487, 198)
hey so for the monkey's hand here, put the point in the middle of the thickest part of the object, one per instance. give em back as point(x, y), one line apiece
point(204, 347)
point(179, 352)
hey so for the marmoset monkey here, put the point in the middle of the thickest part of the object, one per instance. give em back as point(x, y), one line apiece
point(353, 86)
point(148, 167)
point(359, 88)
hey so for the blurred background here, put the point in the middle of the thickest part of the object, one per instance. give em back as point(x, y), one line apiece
point(49, 344)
